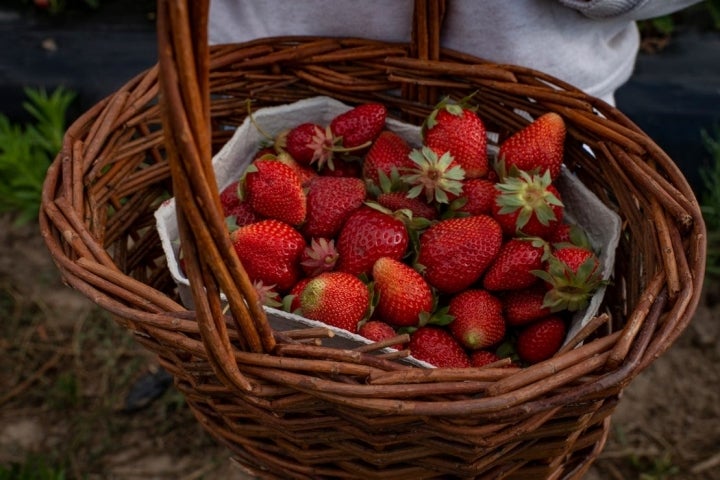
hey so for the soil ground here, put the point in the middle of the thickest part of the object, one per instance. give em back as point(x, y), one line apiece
point(66, 370)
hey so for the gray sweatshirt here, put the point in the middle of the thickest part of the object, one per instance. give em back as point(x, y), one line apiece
point(591, 44)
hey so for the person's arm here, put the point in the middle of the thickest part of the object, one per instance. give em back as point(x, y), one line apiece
point(627, 9)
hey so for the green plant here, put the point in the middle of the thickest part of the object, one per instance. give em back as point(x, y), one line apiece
point(26, 151)
point(710, 201)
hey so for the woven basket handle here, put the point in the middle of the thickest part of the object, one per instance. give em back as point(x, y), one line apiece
point(211, 263)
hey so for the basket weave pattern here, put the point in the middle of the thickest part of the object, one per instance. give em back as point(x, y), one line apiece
point(285, 405)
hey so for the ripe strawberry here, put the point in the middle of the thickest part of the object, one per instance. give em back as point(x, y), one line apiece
point(454, 253)
point(305, 174)
point(395, 201)
point(437, 347)
point(335, 298)
point(377, 331)
point(569, 233)
point(270, 251)
point(369, 234)
point(291, 302)
point(456, 129)
point(274, 191)
point(479, 195)
point(230, 197)
point(480, 358)
point(267, 295)
point(241, 214)
point(308, 143)
point(343, 166)
point(528, 205)
point(513, 266)
point(434, 175)
point(541, 339)
point(360, 125)
point(572, 275)
point(478, 321)
point(537, 148)
point(403, 295)
point(330, 201)
point(388, 152)
point(320, 256)
point(524, 306)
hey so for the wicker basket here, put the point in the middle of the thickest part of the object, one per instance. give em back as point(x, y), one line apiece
point(286, 406)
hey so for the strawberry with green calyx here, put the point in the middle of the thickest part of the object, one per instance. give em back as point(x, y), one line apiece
point(454, 253)
point(395, 201)
point(305, 174)
point(572, 275)
point(569, 233)
point(541, 339)
point(521, 307)
point(478, 319)
point(437, 347)
point(318, 257)
point(537, 148)
point(434, 176)
point(274, 191)
point(270, 251)
point(367, 235)
point(338, 299)
point(403, 295)
point(514, 264)
point(267, 295)
point(330, 201)
point(307, 143)
point(291, 301)
point(237, 212)
point(457, 129)
point(359, 126)
point(389, 153)
point(480, 358)
point(528, 205)
point(377, 331)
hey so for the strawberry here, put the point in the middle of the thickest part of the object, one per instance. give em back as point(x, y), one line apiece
point(377, 331)
point(454, 253)
point(537, 148)
point(457, 129)
point(274, 191)
point(330, 201)
point(437, 347)
point(478, 321)
point(344, 166)
point(359, 126)
point(513, 266)
point(267, 295)
point(367, 235)
point(318, 257)
point(338, 299)
point(270, 251)
point(241, 214)
point(307, 143)
point(572, 275)
point(528, 205)
point(524, 306)
point(305, 174)
point(388, 152)
point(230, 197)
point(569, 233)
point(480, 358)
point(403, 295)
point(291, 301)
point(541, 339)
point(395, 201)
point(479, 196)
point(434, 175)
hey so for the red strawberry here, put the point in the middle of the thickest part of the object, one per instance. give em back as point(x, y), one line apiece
point(572, 275)
point(478, 321)
point(479, 195)
point(569, 233)
point(360, 125)
point(454, 253)
point(320, 256)
point(308, 143)
point(437, 347)
point(292, 300)
point(377, 331)
point(388, 152)
point(480, 358)
point(273, 190)
point(403, 295)
point(344, 166)
point(395, 201)
point(537, 148)
point(230, 197)
point(458, 130)
point(435, 176)
point(305, 174)
point(541, 339)
point(524, 306)
point(513, 267)
point(528, 205)
point(335, 298)
point(270, 251)
point(330, 201)
point(241, 214)
point(369, 234)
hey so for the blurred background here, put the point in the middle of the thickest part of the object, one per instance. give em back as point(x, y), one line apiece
point(79, 399)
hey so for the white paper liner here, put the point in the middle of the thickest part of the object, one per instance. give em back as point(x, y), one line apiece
point(601, 224)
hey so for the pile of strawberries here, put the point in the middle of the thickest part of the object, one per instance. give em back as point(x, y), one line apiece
point(350, 225)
